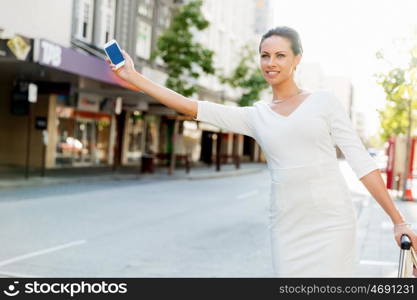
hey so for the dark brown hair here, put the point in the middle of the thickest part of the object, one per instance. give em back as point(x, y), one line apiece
point(288, 33)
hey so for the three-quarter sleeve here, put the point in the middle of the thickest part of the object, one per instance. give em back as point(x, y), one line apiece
point(347, 139)
point(231, 118)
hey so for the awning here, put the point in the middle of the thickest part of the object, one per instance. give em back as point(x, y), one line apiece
point(49, 54)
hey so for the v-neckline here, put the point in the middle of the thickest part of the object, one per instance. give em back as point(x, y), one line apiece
point(294, 111)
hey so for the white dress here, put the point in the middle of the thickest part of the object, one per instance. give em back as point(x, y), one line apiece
point(312, 219)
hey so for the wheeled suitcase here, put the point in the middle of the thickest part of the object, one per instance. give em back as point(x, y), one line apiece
point(408, 259)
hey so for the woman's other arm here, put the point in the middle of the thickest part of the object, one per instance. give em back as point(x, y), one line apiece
point(365, 167)
point(374, 183)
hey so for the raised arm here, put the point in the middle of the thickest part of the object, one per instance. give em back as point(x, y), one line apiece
point(232, 118)
point(235, 119)
point(164, 95)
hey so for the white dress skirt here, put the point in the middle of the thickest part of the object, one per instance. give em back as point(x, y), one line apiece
point(312, 219)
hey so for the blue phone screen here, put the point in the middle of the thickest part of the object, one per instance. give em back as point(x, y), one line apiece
point(114, 54)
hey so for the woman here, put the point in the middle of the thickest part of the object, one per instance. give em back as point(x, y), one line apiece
point(312, 217)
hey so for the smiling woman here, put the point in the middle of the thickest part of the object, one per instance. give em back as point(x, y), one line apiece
point(281, 52)
point(312, 220)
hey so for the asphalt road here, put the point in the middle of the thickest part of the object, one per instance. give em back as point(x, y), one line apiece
point(181, 228)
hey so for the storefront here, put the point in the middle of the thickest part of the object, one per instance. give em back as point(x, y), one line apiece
point(91, 117)
point(134, 142)
point(79, 99)
point(83, 138)
point(85, 128)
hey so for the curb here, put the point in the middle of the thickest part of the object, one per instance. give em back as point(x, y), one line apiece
point(64, 181)
point(225, 174)
point(94, 179)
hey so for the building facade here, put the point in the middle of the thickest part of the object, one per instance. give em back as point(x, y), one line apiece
point(226, 35)
point(91, 117)
point(84, 115)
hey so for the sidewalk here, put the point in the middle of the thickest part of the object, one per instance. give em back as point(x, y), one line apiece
point(378, 251)
point(71, 176)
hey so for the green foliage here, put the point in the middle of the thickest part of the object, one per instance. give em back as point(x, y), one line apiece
point(247, 76)
point(182, 56)
point(400, 87)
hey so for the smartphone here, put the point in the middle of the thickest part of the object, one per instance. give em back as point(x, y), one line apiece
point(114, 52)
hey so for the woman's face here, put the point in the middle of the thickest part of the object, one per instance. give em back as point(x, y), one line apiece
point(277, 59)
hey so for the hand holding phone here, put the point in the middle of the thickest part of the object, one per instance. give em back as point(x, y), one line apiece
point(121, 63)
point(114, 52)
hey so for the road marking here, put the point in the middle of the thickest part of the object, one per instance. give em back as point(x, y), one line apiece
point(378, 263)
point(247, 195)
point(41, 252)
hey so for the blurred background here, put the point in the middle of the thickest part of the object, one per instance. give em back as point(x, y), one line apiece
point(65, 118)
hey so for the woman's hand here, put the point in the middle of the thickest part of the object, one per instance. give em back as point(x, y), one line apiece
point(127, 70)
point(400, 229)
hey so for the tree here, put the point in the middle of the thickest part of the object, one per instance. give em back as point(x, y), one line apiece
point(183, 57)
point(400, 87)
point(247, 76)
point(395, 118)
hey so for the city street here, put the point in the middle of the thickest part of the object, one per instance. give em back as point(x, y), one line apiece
point(214, 227)
point(169, 139)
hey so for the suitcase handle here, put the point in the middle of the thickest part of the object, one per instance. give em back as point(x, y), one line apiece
point(405, 242)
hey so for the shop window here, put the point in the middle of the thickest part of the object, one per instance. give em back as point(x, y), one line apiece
point(151, 134)
point(135, 138)
point(82, 142)
point(102, 138)
point(67, 145)
point(85, 135)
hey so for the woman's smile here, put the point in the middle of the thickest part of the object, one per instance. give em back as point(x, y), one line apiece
point(272, 74)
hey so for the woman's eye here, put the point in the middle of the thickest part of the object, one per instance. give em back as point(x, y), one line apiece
point(277, 55)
